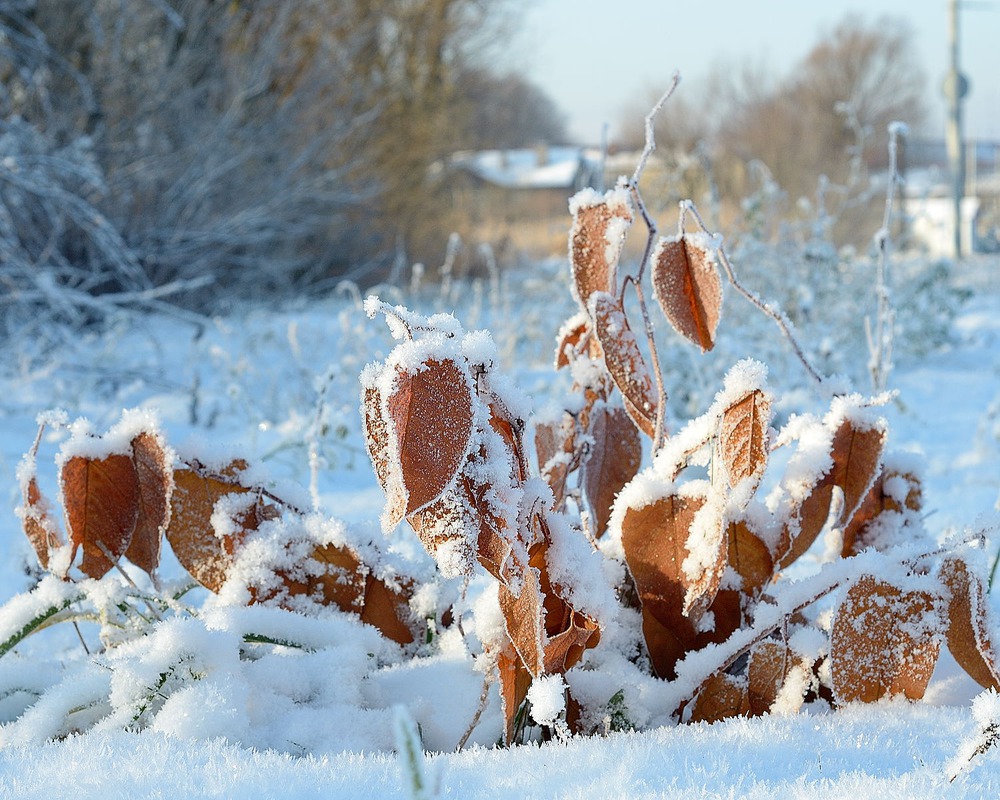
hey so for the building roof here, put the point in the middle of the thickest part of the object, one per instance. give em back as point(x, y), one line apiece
point(529, 168)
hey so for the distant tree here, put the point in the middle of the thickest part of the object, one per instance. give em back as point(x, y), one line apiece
point(840, 98)
point(507, 110)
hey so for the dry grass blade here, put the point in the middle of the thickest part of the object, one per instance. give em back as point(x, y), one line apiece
point(595, 244)
point(884, 642)
point(430, 414)
point(625, 362)
point(156, 484)
point(613, 461)
point(101, 501)
point(687, 286)
point(742, 444)
point(968, 634)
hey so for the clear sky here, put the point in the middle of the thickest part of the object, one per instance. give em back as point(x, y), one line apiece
point(595, 57)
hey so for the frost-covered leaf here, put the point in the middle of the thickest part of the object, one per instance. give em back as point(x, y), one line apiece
point(654, 539)
point(515, 681)
point(885, 641)
point(38, 522)
point(624, 361)
point(430, 421)
point(687, 286)
point(448, 529)
point(554, 446)
point(742, 443)
point(769, 665)
point(857, 457)
point(892, 492)
point(970, 638)
point(101, 503)
point(338, 577)
point(386, 466)
point(191, 534)
point(596, 239)
point(573, 338)
point(855, 454)
point(523, 620)
point(156, 484)
point(749, 557)
point(613, 461)
point(720, 697)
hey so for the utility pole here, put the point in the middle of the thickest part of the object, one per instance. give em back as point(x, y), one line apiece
point(956, 87)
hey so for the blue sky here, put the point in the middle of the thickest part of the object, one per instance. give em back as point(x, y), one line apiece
point(596, 56)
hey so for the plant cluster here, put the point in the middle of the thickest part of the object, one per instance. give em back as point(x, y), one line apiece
point(689, 573)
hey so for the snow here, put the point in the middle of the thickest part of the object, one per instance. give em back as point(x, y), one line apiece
point(314, 712)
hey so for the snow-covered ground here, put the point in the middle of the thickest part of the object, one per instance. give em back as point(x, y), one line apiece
point(279, 386)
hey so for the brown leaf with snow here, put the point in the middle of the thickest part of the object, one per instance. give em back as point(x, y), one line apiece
point(595, 246)
point(613, 461)
point(430, 420)
point(101, 503)
point(38, 522)
point(742, 445)
point(190, 532)
point(768, 668)
point(687, 286)
point(387, 469)
point(573, 340)
point(885, 641)
point(515, 680)
point(720, 697)
point(654, 539)
point(523, 620)
point(857, 457)
point(749, 557)
point(625, 362)
point(338, 577)
point(156, 484)
point(969, 634)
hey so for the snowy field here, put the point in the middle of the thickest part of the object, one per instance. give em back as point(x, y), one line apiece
point(279, 387)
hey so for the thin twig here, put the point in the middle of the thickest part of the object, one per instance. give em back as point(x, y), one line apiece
point(650, 146)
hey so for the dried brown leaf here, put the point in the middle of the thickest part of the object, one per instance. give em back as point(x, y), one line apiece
point(430, 416)
point(625, 362)
point(687, 286)
point(190, 532)
point(743, 440)
point(654, 539)
point(857, 456)
point(38, 522)
point(720, 697)
point(749, 557)
point(768, 668)
point(572, 341)
point(156, 484)
point(101, 502)
point(969, 638)
point(387, 469)
point(884, 642)
point(595, 245)
point(613, 461)
point(523, 620)
point(515, 681)
point(344, 581)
